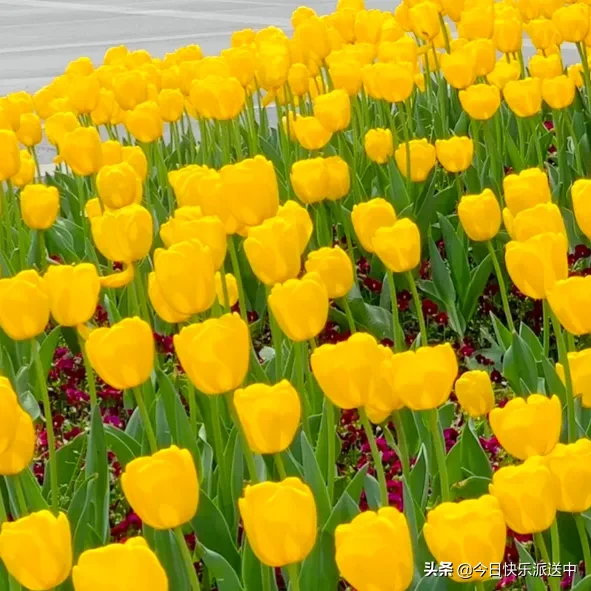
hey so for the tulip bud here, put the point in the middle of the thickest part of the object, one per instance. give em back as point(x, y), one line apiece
point(132, 564)
point(333, 110)
point(130, 89)
point(528, 427)
point(507, 35)
point(20, 436)
point(368, 217)
point(9, 414)
point(73, 292)
point(162, 488)
point(423, 379)
point(536, 264)
point(218, 97)
point(526, 189)
point(545, 67)
point(123, 235)
point(24, 305)
point(145, 122)
point(558, 92)
point(348, 372)
point(107, 110)
point(368, 26)
point(346, 75)
point(527, 494)
point(539, 219)
point(453, 531)
point(581, 193)
point(26, 172)
point(295, 214)
point(134, 155)
point(578, 362)
point(480, 101)
point(172, 104)
point(575, 73)
point(476, 23)
point(112, 152)
point(81, 151)
point(339, 178)
point(391, 82)
point(484, 55)
point(475, 393)
point(83, 93)
point(310, 133)
point(185, 275)
point(270, 415)
point(280, 521)
point(231, 286)
point(118, 185)
point(335, 269)
point(455, 154)
point(300, 306)
point(39, 206)
point(251, 190)
point(424, 17)
point(310, 180)
point(422, 159)
point(29, 132)
point(569, 465)
point(11, 157)
point(44, 536)
point(398, 246)
point(480, 215)
point(131, 340)
point(374, 551)
point(378, 145)
point(160, 304)
point(524, 97)
point(569, 301)
point(273, 251)
point(459, 68)
point(228, 343)
point(572, 22)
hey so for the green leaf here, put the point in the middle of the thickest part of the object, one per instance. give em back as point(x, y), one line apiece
point(474, 458)
point(213, 531)
point(453, 461)
point(515, 157)
point(167, 550)
point(46, 351)
point(519, 367)
point(313, 476)
point(126, 448)
point(457, 257)
point(529, 337)
point(419, 479)
point(532, 583)
point(478, 282)
point(470, 488)
point(220, 569)
point(554, 384)
point(78, 514)
point(69, 461)
point(372, 492)
point(35, 500)
point(319, 570)
point(583, 584)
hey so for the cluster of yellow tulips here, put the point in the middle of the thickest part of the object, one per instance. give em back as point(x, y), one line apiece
point(288, 215)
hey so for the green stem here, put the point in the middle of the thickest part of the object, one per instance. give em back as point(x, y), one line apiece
point(192, 402)
point(265, 572)
point(280, 466)
point(535, 135)
point(540, 545)
point(20, 496)
point(563, 358)
point(418, 308)
point(42, 384)
point(546, 327)
point(294, 577)
point(576, 146)
point(331, 452)
point(301, 388)
point(89, 373)
point(276, 340)
point(555, 539)
point(225, 294)
point(42, 250)
point(341, 218)
point(580, 522)
point(248, 456)
point(397, 334)
point(349, 315)
point(218, 444)
point(402, 445)
point(377, 458)
point(187, 559)
point(439, 445)
point(502, 287)
point(238, 276)
point(147, 424)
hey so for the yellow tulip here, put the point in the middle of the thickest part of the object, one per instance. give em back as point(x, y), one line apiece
point(81, 150)
point(160, 304)
point(524, 97)
point(455, 154)
point(123, 354)
point(581, 193)
point(231, 286)
point(527, 494)
point(73, 292)
point(215, 353)
point(339, 178)
point(459, 68)
point(40, 205)
point(29, 132)
point(44, 536)
point(374, 551)
point(132, 564)
point(545, 67)
point(572, 22)
point(568, 300)
point(484, 55)
point(294, 213)
point(11, 156)
point(526, 189)
point(333, 110)
point(475, 393)
point(280, 521)
point(335, 269)
point(270, 415)
point(300, 306)
point(220, 98)
point(145, 123)
point(398, 246)
point(163, 488)
point(368, 217)
point(422, 159)
point(59, 125)
point(26, 172)
point(480, 215)
point(24, 305)
point(536, 264)
point(21, 448)
point(578, 362)
point(528, 427)
point(469, 532)
point(310, 133)
point(378, 145)
point(310, 180)
point(480, 101)
point(118, 185)
point(539, 219)
point(424, 17)
point(508, 35)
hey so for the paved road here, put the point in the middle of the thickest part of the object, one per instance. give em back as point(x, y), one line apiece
point(39, 37)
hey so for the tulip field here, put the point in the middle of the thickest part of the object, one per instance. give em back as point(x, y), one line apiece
point(312, 314)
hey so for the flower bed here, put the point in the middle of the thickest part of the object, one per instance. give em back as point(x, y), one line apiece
point(309, 315)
